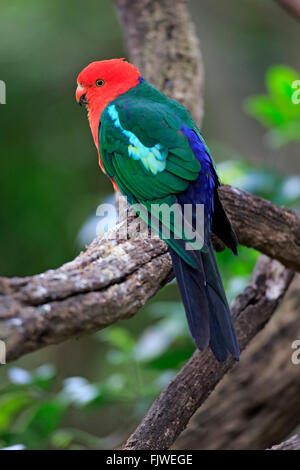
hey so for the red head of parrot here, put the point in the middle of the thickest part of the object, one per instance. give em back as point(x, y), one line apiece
point(101, 82)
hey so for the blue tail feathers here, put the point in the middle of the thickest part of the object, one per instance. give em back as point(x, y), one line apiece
point(205, 303)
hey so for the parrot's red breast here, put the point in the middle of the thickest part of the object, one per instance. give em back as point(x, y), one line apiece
point(98, 84)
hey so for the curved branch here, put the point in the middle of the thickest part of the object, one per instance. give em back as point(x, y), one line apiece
point(113, 279)
point(259, 224)
point(171, 412)
point(161, 41)
point(293, 443)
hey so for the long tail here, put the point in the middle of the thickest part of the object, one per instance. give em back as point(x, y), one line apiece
point(205, 303)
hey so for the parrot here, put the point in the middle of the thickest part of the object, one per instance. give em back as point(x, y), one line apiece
point(152, 150)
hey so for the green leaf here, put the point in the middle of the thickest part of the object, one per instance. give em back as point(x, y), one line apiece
point(277, 111)
point(62, 438)
point(10, 405)
point(43, 418)
point(288, 132)
point(231, 171)
point(264, 110)
point(279, 80)
point(120, 338)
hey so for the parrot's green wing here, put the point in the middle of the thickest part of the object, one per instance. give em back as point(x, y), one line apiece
point(144, 150)
point(152, 149)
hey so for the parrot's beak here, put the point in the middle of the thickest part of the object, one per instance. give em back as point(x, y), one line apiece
point(80, 95)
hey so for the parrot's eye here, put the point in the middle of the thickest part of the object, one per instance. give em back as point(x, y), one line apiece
point(100, 82)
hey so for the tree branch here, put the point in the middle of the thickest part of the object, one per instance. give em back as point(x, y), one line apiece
point(251, 408)
point(293, 443)
point(110, 281)
point(162, 42)
point(272, 230)
point(113, 279)
point(171, 412)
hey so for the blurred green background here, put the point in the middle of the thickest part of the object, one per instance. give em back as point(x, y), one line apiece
point(89, 393)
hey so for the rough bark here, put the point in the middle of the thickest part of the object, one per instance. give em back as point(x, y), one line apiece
point(272, 230)
point(293, 443)
point(258, 404)
point(161, 41)
point(113, 279)
point(108, 282)
point(171, 412)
